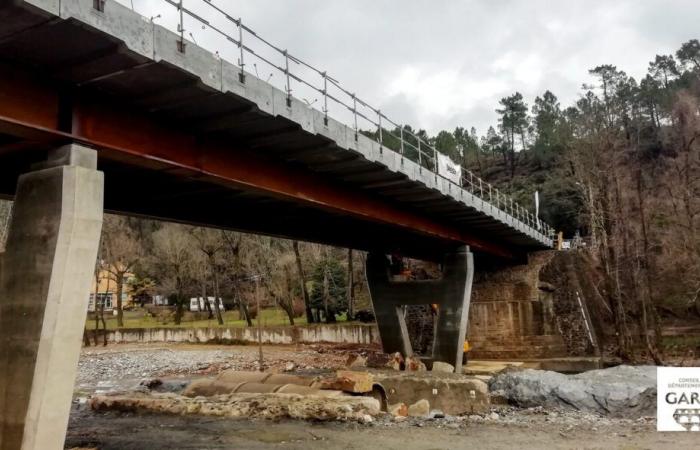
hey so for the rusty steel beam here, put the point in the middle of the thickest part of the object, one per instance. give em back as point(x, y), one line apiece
point(32, 109)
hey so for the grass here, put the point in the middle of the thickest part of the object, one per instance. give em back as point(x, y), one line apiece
point(692, 341)
point(140, 319)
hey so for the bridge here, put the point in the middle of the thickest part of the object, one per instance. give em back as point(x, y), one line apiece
point(103, 108)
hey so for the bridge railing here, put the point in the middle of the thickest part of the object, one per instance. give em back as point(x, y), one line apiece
point(211, 22)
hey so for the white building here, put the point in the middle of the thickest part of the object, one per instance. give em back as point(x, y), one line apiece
point(197, 304)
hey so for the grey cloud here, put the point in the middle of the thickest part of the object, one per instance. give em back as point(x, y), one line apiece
point(480, 50)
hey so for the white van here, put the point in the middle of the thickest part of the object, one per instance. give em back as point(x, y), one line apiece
point(197, 304)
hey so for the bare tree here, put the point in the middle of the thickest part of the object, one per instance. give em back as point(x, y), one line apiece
point(210, 242)
point(351, 287)
point(302, 283)
point(122, 252)
point(99, 302)
point(234, 271)
point(173, 248)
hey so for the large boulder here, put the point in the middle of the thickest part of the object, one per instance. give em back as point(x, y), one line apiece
point(623, 391)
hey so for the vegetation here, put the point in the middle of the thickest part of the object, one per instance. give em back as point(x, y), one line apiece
point(620, 167)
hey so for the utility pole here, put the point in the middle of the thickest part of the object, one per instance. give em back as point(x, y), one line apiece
point(257, 303)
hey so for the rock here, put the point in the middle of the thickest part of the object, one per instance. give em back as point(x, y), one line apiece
point(395, 361)
point(421, 408)
point(152, 383)
point(290, 366)
point(439, 366)
point(208, 388)
point(494, 416)
point(437, 414)
point(356, 361)
point(414, 364)
point(398, 410)
point(348, 381)
point(622, 391)
point(392, 361)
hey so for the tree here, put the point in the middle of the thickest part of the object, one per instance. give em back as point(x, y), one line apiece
point(650, 99)
point(468, 147)
point(663, 69)
point(689, 54)
point(547, 119)
point(235, 272)
point(173, 249)
point(328, 294)
point(351, 287)
point(615, 87)
point(446, 144)
point(302, 282)
point(210, 243)
point(513, 123)
point(99, 301)
point(122, 252)
point(141, 289)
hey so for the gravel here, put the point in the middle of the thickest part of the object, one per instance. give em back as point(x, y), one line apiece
point(121, 367)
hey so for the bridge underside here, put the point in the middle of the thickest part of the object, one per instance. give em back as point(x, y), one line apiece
point(273, 184)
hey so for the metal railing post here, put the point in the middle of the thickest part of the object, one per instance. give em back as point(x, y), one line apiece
point(381, 141)
point(402, 149)
point(325, 99)
point(354, 113)
point(241, 76)
point(181, 28)
point(289, 85)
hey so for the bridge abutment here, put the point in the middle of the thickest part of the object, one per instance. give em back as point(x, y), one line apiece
point(45, 276)
point(451, 294)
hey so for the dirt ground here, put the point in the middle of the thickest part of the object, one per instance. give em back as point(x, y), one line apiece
point(154, 432)
point(122, 367)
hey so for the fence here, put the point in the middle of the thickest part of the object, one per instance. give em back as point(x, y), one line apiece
point(301, 77)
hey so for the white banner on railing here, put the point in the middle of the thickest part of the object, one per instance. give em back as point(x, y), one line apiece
point(448, 169)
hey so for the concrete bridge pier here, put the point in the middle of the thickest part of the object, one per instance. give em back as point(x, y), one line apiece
point(452, 294)
point(45, 275)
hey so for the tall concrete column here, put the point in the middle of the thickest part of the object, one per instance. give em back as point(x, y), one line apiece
point(45, 280)
point(452, 294)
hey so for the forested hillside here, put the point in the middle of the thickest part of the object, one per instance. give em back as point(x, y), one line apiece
point(621, 167)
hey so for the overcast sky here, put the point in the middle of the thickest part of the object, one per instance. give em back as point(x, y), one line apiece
point(438, 64)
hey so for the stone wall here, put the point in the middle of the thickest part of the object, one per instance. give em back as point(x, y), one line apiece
point(512, 313)
point(340, 334)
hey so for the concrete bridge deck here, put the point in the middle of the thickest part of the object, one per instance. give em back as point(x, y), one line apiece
point(181, 137)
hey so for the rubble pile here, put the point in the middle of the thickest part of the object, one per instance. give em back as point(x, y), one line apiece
point(258, 406)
